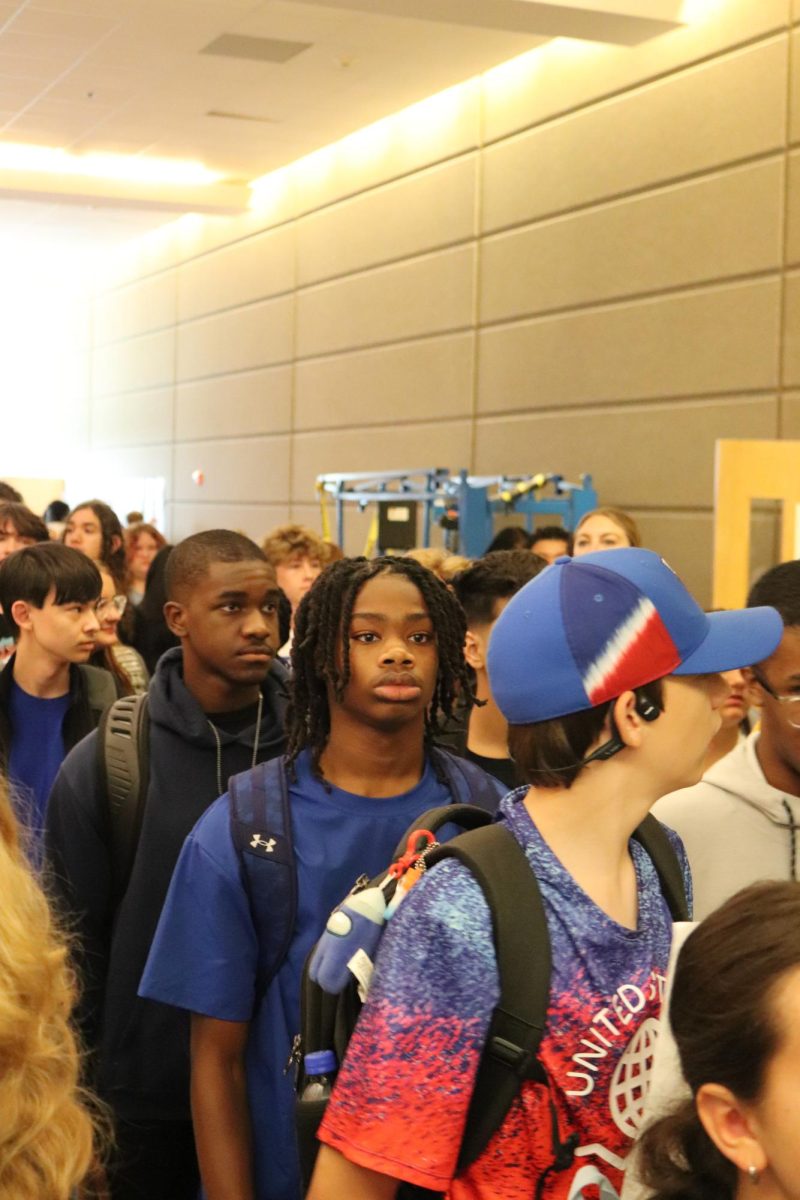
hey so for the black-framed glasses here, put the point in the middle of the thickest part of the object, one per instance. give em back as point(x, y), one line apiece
point(792, 702)
point(104, 608)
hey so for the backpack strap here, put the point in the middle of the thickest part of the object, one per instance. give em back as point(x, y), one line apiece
point(653, 838)
point(100, 689)
point(468, 783)
point(123, 752)
point(261, 830)
point(522, 947)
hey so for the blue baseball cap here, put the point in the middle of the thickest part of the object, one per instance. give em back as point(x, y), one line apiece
point(587, 629)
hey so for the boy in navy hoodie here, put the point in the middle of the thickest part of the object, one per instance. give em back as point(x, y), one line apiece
point(215, 707)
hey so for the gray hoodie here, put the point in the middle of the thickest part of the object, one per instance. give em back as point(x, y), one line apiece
point(735, 826)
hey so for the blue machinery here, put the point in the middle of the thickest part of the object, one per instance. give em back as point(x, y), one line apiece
point(465, 505)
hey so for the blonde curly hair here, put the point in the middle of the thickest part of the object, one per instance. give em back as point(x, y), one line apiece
point(46, 1125)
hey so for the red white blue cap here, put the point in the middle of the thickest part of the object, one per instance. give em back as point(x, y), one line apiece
point(587, 629)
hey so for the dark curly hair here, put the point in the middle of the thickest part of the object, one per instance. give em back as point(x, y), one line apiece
point(320, 637)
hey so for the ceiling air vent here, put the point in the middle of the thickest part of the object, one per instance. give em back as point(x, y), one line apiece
point(234, 116)
point(236, 45)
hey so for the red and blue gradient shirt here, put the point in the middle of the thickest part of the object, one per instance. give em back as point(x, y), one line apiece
point(402, 1095)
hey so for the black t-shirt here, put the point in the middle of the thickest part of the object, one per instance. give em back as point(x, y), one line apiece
point(504, 769)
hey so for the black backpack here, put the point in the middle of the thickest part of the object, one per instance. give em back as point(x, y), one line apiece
point(510, 1056)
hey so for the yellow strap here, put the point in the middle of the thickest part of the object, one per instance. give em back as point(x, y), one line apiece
point(323, 508)
point(372, 536)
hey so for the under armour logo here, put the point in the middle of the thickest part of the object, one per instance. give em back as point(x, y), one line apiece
point(265, 844)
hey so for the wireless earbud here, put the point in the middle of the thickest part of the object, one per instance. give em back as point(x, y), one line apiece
point(647, 709)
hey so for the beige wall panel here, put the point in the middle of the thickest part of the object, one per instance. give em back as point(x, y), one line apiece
point(137, 461)
point(794, 88)
point(714, 114)
point(256, 336)
point(244, 471)
point(395, 448)
point(685, 541)
point(136, 418)
point(790, 416)
point(791, 331)
point(563, 74)
point(254, 520)
point(645, 455)
point(426, 211)
point(136, 309)
point(439, 128)
point(793, 210)
point(149, 254)
point(134, 365)
point(727, 225)
point(234, 405)
point(410, 382)
point(427, 295)
point(273, 204)
point(254, 269)
point(704, 342)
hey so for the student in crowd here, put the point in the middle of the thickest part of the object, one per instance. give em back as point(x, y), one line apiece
point(605, 529)
point(49, 698)
point(125, 664)
point(440, 561)
point(151, 635)
point(46, 1125)
point(605, 669)
point(740, 823)
point(513, 537)
point(483, 591)
point(10, 494)
point(377, 659)
point(94, 529)
point(551, 542)
point(735, 721)
point(298, 555)
point(214, 708)
point(18, 527)
point(55, 518)
point(735, 1017)
point(142, 544)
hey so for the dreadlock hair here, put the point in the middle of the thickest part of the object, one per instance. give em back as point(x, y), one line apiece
point(321, 648)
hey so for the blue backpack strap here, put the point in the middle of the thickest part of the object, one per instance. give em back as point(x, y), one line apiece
point(468, 783)
point(261, 830)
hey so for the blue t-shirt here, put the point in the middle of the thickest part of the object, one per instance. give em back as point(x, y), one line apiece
point(401, 1098)
point(37, 751)
point(204, 955)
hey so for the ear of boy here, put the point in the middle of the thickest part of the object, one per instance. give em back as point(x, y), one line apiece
point(731, 1126)
point(21, 613)
point(630, 724)
point(475, 645)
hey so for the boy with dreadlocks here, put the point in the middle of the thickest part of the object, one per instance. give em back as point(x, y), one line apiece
point(377, 661)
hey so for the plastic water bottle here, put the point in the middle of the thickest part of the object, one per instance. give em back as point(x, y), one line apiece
point(319, 1069)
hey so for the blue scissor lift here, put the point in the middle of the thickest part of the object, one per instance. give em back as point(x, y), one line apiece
point(465, 505)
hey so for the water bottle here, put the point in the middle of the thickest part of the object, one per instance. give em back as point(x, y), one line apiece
point(319, 1069)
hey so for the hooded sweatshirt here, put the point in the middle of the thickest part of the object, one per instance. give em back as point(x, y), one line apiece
point(736, 827)
point(141, 1048)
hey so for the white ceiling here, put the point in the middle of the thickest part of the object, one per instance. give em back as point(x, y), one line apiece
point(131, 77)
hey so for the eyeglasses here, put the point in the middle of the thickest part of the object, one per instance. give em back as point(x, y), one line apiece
point(103, 608)
point(792, 702)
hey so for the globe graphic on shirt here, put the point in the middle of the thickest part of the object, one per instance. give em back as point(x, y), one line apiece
point(631, 1079)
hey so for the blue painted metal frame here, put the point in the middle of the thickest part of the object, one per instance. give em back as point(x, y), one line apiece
point(470, 500)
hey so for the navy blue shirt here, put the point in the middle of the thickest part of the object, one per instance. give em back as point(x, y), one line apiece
point(37, 751)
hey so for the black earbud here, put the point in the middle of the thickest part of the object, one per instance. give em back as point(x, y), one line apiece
point(647, 709)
